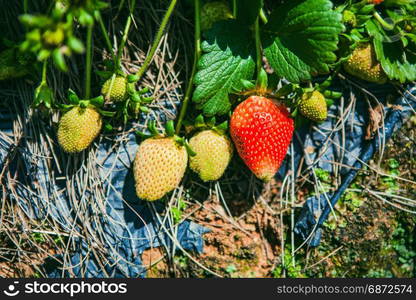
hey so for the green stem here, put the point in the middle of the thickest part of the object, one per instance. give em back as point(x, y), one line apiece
point(25, 6)
point(120, 7)
point(235, 8)
point(197, 55)
point(259, 57)
point(156, 41)
point(88, 67)
point(263, 16)
point(44, 71)
point(125, 35)
point(383, 23)
point(104, 32)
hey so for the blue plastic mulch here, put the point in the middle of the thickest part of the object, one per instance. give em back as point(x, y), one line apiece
point(127, 236)
point(358, 152)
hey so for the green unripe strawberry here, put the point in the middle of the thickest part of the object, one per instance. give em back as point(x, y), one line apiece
point(213, 12)
point(78, 128)
point(312, 105)
point(213, 154)
point(158, 168)
point(363, 64)
point(348, 17)
point(115, 90)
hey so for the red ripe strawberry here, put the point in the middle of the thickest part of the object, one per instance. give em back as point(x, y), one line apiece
point(261, 131)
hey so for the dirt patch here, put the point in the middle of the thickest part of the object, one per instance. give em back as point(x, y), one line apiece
point(243, 244)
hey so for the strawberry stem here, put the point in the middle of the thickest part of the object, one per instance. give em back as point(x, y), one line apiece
point(25, 6)
point(88, 69)
point(183, 142)
point(125, 36)
point(99, 19)
point(235, 8)
point(387, 26)
point(259, 62)
point(157, 39)
point(222, 128)
point(152, 128)
point(197, 54)
point(44, 71)
point(261, 74)
point(263, 16)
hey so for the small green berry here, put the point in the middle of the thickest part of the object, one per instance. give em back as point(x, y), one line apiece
point(115, 90)
point(312, 105)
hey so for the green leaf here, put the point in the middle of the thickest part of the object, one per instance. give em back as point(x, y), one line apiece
point(248, 10)
point(97, 101)
point(199, 121)
point(398, 60)
point(59, 60)
point(73, 97)
point(107, 113)
point(211, 122)
point(228, 58)
point(170, 128)
point(398, 63)
point(144, 109)
point(85, 18)
point(43, 94)
point(247, 84)
point(300, 38)
point(76, 45)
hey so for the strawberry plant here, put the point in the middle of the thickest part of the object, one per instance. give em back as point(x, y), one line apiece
point(299, 41)
point(260, 73)
point(380, 39)
point(363, 64)
point(243, 50)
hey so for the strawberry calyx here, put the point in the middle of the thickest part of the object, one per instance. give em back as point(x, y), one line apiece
point(128, 100)
point(201, 123)
point(356, 14)
point(259, 88)
point(43, 96)
point(310, 103)
point(258, 92)
point(96, 103)
point(169, 131)
point(183, 142)
point(262, 82)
